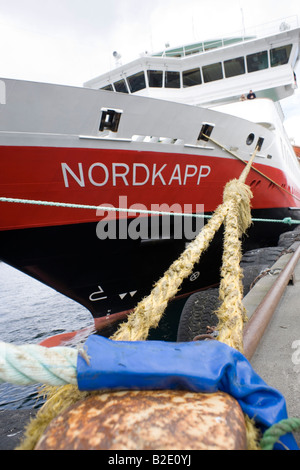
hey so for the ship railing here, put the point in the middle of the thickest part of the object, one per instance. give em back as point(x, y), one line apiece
point(258, 31)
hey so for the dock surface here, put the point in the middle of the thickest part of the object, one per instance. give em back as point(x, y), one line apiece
point(275, 359)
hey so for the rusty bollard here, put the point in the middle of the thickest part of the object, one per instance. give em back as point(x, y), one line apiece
point(149, 420)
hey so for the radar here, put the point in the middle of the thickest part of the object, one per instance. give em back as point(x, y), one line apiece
point(117, 58)
point(284, 26)
point(116, 55)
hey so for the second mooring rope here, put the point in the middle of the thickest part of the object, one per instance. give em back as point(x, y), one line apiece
point(235, 210)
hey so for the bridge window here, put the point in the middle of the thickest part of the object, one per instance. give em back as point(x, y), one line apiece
point(107, 87)
point(257, 61)
point(234, 67)
point(155, 78)
point(136, 82)
point(172, 79)
point(191, 77)
point(121, 86)
point(212, 72)
point(280, 55)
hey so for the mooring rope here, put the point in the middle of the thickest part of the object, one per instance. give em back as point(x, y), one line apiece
point(253, 168)
point(273, 434)
point(68, 205)
point(235, 210)
point(232, 314)
point(103, 208)
point(31, 364)
point(148, 312)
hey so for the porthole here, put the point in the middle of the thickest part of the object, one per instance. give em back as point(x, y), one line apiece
point(250, 139)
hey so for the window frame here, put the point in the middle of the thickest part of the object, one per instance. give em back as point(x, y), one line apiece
point(205, 71)
point(231, 60)
point(172, 72)
point(133, 78)
point(290, 46)
point(162, 78)
point(265, 52)
point(119, 81)
point(191, 70)
point(108, 87)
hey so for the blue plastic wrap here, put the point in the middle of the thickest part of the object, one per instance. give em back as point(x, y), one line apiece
point(200, 366)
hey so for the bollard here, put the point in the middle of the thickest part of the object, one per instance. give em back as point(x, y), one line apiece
point(149, 420)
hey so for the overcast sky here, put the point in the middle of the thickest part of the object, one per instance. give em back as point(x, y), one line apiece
point(71, 41)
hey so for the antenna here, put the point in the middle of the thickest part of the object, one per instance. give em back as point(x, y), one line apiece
point(243, 20)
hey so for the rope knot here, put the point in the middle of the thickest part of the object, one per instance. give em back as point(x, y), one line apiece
point(239, 195)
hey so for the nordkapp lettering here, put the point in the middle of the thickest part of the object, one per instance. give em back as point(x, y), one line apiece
point(135, 174)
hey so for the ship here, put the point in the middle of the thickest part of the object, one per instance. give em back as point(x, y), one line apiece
point(102, 186)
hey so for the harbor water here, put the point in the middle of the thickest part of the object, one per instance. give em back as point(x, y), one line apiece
point(29, 313)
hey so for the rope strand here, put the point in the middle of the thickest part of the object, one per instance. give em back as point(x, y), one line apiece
point(286, 220)
point(30, 364)
point(272, 435)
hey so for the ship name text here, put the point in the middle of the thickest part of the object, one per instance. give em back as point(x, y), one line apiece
point(135, 174)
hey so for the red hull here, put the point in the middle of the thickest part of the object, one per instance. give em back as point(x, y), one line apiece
point(99, 177)
point(297, 151)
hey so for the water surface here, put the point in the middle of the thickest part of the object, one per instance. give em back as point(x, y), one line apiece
point(29, 313)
